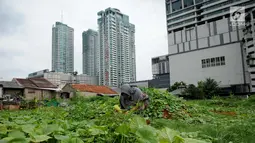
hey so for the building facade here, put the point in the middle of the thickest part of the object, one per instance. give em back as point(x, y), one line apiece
point(160, 72)
point(202, 42)
point(117, 48)
point(58, 78)
point(62, 48)
point(90, 53)
point(248, 43)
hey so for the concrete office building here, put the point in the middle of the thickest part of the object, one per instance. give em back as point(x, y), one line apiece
point(62, 48)
point(58, 78)
point(90, 53)
point(248, 43)
point(160, 72)
point(117, 48)
point(202, 42)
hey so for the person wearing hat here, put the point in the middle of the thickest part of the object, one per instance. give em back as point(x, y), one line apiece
point(131, 96)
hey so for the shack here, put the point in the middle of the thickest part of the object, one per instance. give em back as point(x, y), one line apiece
point(37, 88)
point(10, 88)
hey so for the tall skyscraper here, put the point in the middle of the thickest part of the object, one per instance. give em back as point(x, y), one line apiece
point(62, 48)
point(204, 42)
point(90, 54)
point(117, 48)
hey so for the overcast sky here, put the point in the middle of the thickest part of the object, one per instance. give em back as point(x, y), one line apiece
point(26, 28)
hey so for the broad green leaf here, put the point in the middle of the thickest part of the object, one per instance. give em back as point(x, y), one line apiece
point(20, 122)
point(48, 129)
point(178, 139)
point(15, 140)
point(190, 140)
point(73, 140)
point(146, 134)
point(61, 137)
point(40, 138)
point(16, 134)
point(76, 140)
point(3, 141)
point(97, 130)
point(28, 128)
point(8, 139)
point(123, 129)
point(82, 132)
point(167, 134)
point(3, 129)
point(137, 122)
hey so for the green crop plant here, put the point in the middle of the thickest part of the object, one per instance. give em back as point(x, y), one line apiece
point(167, 120)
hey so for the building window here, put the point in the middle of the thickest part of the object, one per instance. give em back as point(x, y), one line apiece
point(212, 62)
point(218, 61)
point(168, 8)
point(222, 60)
point(188, 3)
point(208, 63)
point(203, 64)
point(177, 5)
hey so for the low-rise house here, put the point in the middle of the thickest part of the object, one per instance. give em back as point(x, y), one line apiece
point(66, 91)
point(90, 90)
point(37, 88)
point(10, 88)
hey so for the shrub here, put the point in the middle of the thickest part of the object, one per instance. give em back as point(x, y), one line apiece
point(193, 92)
point(175, 86)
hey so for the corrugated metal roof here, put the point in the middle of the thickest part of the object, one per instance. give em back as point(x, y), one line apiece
point(35, 83)
point(10, 84)
point(93, 88)
point(25, 83)
point(42, 83)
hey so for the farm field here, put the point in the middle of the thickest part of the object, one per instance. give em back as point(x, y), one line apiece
point(167, 120)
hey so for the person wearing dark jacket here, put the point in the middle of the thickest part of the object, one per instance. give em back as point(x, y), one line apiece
point(131, 96)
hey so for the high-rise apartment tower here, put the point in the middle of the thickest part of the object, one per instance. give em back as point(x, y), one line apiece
point(90, 52)
point(117, 48)
point(62, 48)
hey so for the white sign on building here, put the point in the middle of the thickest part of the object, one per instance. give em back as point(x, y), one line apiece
point(237, 16)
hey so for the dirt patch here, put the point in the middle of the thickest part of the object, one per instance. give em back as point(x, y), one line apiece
point(148, 122)
point(229, 113)
point(167, 114)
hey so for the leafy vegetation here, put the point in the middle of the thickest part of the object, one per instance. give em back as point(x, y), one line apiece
point(167, 120)
point(205, 89)
point(176, 85)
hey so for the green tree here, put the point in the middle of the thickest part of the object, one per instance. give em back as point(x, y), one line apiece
point(210, 87)
point(193, 92)
point(176, 85)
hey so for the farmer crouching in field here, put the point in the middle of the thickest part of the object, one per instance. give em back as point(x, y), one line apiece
point(133, 97)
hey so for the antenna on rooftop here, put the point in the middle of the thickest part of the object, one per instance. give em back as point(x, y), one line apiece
point(62, 16)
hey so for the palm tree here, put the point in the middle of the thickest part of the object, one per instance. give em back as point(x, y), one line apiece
point(210, 87)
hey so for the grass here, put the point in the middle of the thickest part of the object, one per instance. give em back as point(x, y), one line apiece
point(223, 121)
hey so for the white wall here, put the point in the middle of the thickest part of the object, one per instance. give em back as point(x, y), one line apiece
point(202, 36)
point(187, 67)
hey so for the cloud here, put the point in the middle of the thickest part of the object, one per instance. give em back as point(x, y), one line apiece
point(11, 20)
point(26, 31)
